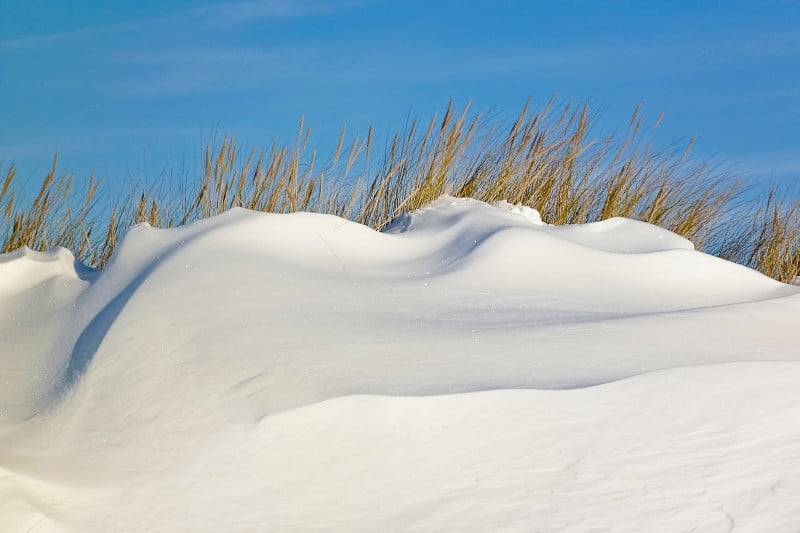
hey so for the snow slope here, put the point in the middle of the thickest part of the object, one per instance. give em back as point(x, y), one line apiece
point(469, 368)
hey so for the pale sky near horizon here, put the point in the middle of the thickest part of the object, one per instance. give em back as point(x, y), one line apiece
point(126, 88)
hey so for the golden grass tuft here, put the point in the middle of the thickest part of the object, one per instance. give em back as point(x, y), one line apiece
point(766, 236)
point(547, 159)
point(57, 215)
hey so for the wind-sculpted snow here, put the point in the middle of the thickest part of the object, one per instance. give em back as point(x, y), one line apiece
point(246, 372)
point(37, 292)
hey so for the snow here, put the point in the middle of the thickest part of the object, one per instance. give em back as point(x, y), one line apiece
point(468, 368)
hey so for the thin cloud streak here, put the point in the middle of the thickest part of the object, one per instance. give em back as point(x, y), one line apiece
point(192, 70)
point(72, 143)
point(225, 14)
point(229, 13)
point(49, 38)
point(780, 163)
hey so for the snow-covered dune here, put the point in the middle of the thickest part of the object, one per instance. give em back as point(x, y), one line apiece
point(468, 368)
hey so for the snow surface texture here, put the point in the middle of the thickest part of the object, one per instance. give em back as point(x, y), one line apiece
point(469, 368)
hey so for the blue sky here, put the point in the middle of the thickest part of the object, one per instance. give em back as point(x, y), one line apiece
point(127, 87)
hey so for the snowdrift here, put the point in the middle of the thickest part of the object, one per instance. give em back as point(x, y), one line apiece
point(467, 368)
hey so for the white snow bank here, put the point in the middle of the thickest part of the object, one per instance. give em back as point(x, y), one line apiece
point(296, 372)
point(37, 292)
point(25, 268)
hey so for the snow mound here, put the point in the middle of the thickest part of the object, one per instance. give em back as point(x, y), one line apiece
point(37, 292)
point(403, 379)
point(25, 268)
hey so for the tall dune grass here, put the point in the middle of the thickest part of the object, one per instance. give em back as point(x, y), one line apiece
point(58, 215)
point(547, 158)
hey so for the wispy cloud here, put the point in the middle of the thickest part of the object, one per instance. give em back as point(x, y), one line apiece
point(772, 164)
point(72, 141)
point(235, 12)
point(207, 70)
point(219, 14)
point(202, 70)
point(44, 39)
point(207, 57)
point(393, 60)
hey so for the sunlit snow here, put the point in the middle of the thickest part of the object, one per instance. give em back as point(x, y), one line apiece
point(468, 368)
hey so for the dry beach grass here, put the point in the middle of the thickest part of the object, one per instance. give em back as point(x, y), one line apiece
point(548, 159)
